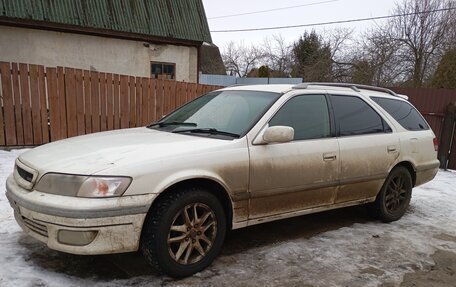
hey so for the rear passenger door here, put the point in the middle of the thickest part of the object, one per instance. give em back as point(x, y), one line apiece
point(368, 148)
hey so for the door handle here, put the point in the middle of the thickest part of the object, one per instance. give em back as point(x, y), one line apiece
point(391, 148)
point(329, 156)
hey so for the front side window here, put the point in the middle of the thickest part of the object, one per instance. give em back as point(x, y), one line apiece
point(356, 117)
point(404, 113)
point(220, 112)
point(308, 115)
point(165, 71)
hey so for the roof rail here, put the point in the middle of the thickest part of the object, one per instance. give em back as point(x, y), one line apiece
point(354, 87)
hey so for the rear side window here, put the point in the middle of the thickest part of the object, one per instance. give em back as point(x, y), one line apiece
point(356, 117)
point(307, 115)
point(403, 113)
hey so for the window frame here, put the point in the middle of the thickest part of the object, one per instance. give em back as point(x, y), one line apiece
point(387, 129)
point(332, 124)
point(163, 68)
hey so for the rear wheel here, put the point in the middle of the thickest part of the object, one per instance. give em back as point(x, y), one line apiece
point(394, 197)
point(184, 232)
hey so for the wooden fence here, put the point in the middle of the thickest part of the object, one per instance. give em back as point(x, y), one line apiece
point(41, 104)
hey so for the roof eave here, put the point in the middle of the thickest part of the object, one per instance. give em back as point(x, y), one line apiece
point(50, 26)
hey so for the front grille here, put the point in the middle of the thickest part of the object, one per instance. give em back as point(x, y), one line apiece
point(35, 226)
point(27, 176)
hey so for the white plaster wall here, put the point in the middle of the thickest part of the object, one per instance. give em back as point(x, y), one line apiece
point(102, 54)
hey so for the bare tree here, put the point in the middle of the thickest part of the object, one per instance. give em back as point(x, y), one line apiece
point(420, 36)
point(378, 59)
point(451, 33)
point(277, 55)
point(341, 45)
point(240, 59)
point(406, 49)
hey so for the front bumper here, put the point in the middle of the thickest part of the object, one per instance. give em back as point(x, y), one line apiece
point(117, 222)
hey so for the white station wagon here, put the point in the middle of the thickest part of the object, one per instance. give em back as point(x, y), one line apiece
point(229, 159)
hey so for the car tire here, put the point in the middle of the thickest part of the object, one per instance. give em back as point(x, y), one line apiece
point(177, 243)
point(394, 196)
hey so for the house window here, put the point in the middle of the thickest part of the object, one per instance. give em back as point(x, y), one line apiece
point(160, 70)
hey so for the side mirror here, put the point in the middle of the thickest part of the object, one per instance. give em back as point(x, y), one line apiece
point(278, 134)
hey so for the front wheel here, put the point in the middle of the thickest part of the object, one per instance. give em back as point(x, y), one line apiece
point(184, 232)
point(394, 197)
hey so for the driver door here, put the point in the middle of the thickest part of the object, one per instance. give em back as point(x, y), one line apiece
point(301, 174)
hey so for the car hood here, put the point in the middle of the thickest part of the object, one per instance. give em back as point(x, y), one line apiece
point(94, 153)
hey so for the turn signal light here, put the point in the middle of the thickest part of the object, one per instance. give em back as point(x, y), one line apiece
point(436, 144)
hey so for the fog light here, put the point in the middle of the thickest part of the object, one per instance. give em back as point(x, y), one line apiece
point(76, 238)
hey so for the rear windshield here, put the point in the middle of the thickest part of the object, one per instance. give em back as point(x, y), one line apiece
point(403, 113)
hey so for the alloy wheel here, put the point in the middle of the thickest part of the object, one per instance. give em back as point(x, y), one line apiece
point(396, 194)
point(192, 233)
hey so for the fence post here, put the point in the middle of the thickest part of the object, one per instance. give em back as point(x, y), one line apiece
point(446, 135)
point(452, 153)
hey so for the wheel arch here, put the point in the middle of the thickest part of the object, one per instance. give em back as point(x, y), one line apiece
point(209, 184)
point(410, 167)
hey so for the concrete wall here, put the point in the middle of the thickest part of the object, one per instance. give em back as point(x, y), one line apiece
point(102, 54)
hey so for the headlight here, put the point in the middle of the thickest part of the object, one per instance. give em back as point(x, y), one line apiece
point(83, 186)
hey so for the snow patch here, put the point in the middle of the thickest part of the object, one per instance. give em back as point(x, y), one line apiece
point(363, 254)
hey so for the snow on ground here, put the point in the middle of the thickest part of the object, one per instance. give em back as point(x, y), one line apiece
point(337, 248)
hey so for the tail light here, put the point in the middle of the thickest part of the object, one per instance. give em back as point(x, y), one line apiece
point(436, 144)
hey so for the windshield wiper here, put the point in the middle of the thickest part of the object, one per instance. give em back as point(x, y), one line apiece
point(165, 124)
point(211, 131)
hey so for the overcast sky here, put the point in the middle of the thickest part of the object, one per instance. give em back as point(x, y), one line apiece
point(317, 11)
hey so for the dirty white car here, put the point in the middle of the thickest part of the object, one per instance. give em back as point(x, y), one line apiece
point(232, 158)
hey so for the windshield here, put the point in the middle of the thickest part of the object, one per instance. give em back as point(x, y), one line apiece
point(226, 113)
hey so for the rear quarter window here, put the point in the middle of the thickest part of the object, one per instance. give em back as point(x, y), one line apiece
point(404, 113)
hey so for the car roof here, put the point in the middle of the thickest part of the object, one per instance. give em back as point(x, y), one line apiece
point(369, 91)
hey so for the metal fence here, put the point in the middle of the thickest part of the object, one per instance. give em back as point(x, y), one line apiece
point(433, 104)
point(225, 81)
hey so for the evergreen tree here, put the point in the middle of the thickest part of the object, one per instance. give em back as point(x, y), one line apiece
point(445, 75)
point(362, 73)
point(312, 58)
point(263, 72)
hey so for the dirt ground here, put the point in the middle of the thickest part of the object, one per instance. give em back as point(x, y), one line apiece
point(442, 274)
point(133, 269)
